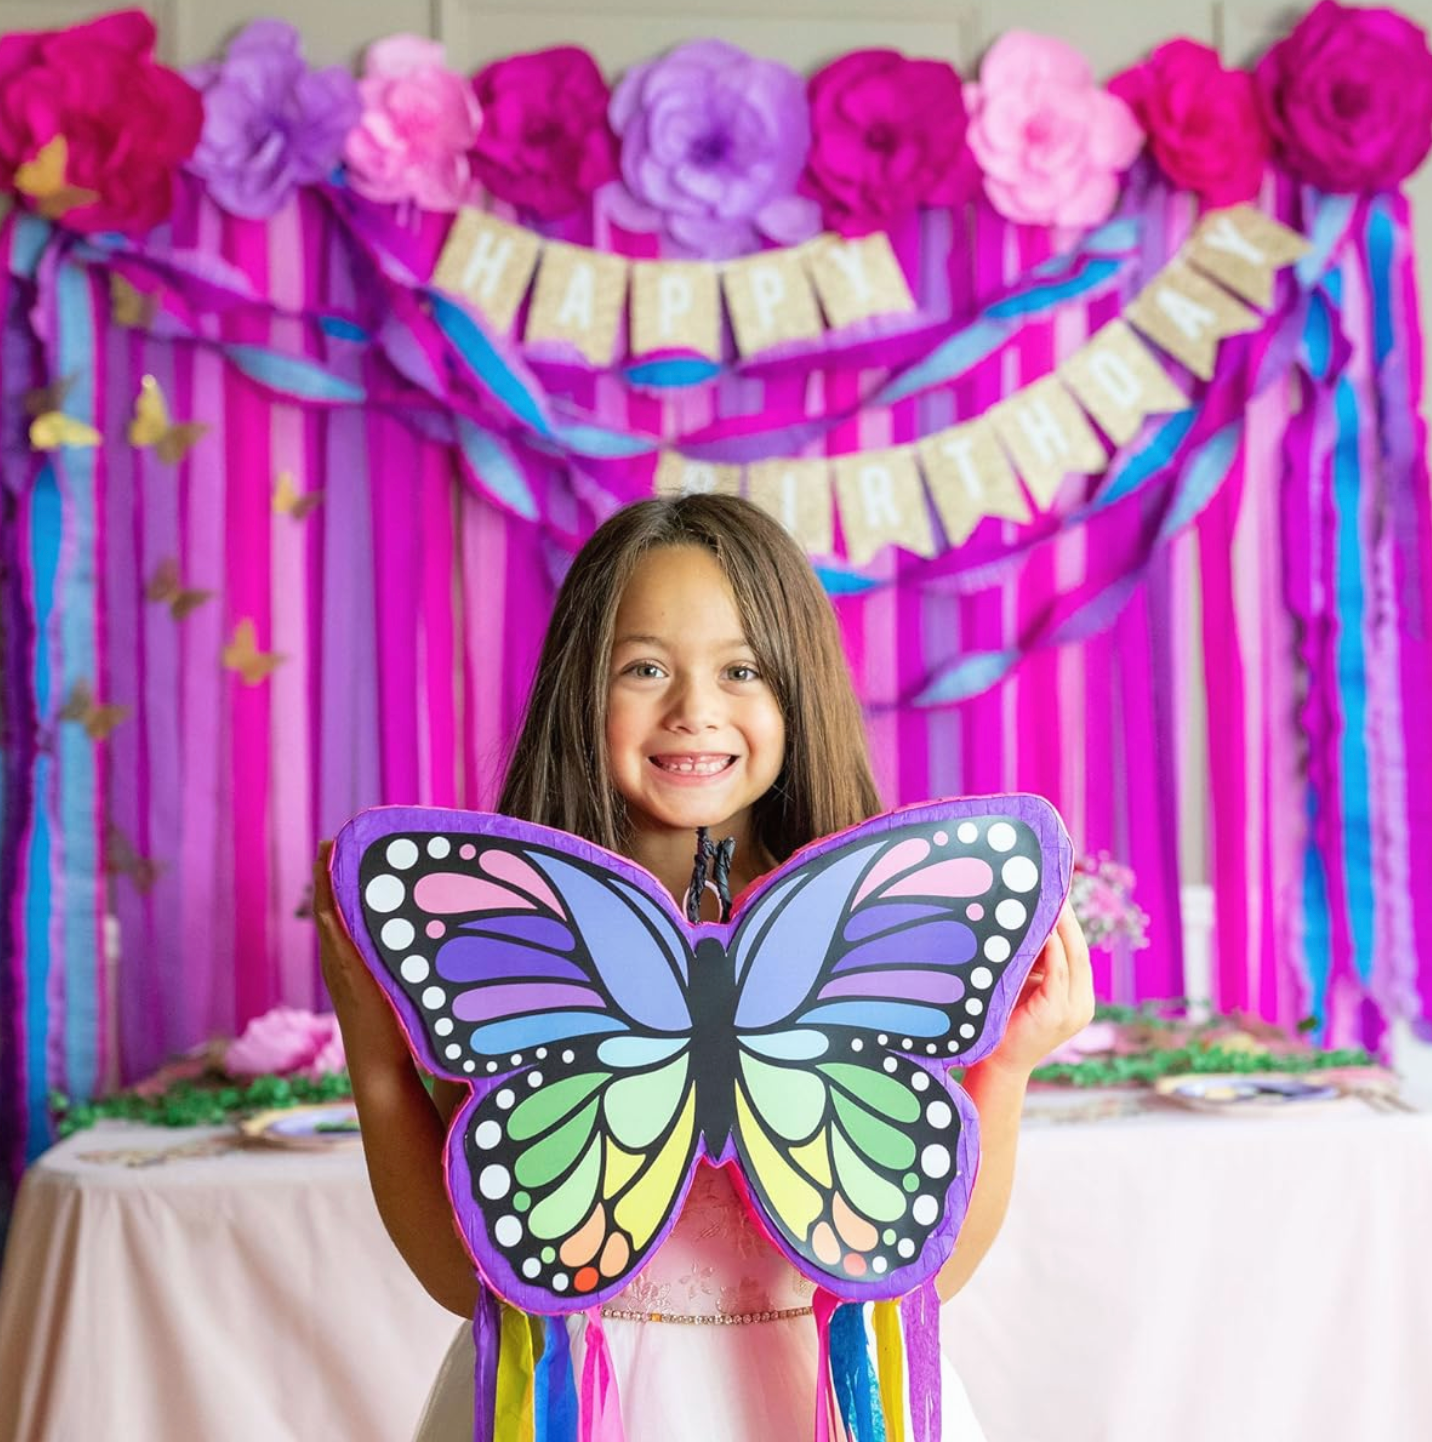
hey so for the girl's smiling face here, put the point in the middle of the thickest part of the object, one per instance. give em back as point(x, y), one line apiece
point(694, 732)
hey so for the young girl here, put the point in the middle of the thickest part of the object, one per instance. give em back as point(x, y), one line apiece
point(692, 676)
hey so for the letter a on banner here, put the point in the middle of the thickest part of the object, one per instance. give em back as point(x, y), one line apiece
point(882, 503)
point(488, 263)
point(1186, 315)
point(797, 494)
point(579, 299)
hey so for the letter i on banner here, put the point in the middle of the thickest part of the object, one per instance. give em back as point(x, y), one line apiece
point(882, 503)
point(675, 305)
point(969, 478)
point(770, 301)
point(797, 494)
point(488, 263)
point(1241, 248)
point(1186, 316)
point(578, 301)
point(1048, 437)
point(1119, 382)
point(678, 476)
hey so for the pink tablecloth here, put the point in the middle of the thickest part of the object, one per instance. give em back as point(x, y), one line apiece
point(1163, 1276)
point(247, 1296)
point(1174, 1277)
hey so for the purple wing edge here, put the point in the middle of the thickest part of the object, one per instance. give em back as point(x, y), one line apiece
point(349, 846)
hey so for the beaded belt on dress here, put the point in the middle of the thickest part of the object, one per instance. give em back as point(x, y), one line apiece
point(706, 1319)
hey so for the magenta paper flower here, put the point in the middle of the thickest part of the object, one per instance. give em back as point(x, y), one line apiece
point(888, 137)
point(419, 122)
point(712, 144)
point(1203, 122)
point(270, 123)
point(1348, 97)
point(127, 123)
point(288, 1041)
point(545, 143)
point(1051, 143)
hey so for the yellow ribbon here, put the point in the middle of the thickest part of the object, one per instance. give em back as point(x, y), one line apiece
point(518, 1351)
point(890, 1367)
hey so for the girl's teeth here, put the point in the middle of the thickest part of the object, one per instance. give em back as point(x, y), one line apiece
point(694, 768)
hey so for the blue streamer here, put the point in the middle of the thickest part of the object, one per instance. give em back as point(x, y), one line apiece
point(487, 365)
point(672, 373)
point(293, 377)
point(857, 1393)
point(554, 1386)
point(341, 329)
point(495, 469)
point(1146, 462)
point(838, 582)
point(948, 360)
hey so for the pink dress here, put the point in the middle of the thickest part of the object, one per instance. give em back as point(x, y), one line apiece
point(713, 1342)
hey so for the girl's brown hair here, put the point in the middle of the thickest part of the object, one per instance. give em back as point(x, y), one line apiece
point(558, 774)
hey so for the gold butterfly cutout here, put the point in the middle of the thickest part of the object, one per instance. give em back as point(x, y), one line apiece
point(54, 429)
point(130, 306)
point(98, 718)
point(151, 425)
point(242, 654)
point(43, 180)
point(165, 585)
point(122, 858)
point(288, 502)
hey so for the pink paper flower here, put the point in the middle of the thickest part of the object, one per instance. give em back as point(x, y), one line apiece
point(1348, 97)
point(545, 143)
point(419, 122)
point(887, 136)
point(128, 123)
point(288, 1041)
point(1203, 121)
point(1051, 143)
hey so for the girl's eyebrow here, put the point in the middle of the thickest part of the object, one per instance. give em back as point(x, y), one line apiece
point(641, 639)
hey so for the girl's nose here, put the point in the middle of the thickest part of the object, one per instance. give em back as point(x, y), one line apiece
point(694, 707)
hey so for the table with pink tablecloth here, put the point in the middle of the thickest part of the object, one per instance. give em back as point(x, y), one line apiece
point(1161, 1275)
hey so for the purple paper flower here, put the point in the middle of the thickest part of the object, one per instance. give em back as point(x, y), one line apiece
point(270, 123)
point(713, 142)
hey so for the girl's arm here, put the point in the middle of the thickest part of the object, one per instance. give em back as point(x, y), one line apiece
point(403, 1128)
point(1057, 1002)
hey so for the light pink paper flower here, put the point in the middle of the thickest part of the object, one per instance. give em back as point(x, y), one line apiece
point(288, 1041)
point(1051, 142)
point(419, 122)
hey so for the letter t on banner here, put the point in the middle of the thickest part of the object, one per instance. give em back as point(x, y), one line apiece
point(969, 478)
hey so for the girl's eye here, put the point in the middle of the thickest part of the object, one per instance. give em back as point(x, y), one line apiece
point(643, 670)
point(744, 671)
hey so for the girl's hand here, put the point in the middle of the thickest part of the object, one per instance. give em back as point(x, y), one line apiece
point(1056, 1002)
point(371, 1033)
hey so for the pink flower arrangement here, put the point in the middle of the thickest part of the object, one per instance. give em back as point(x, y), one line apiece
point(545, 144)
point(1203, 122)
point(1051, 143)
point(288, 1041)
point(1101, 895)
point(127, 123)
point(1348, 97)
point(419, 122)
point(887, 137)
